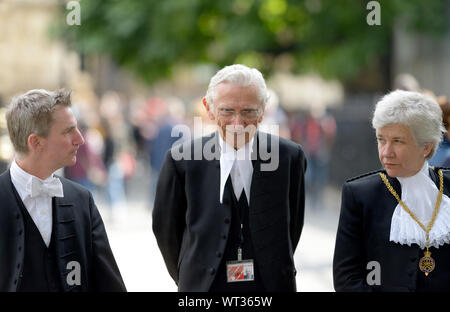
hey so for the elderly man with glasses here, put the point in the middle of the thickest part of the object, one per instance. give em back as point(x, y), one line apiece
point(232, 222)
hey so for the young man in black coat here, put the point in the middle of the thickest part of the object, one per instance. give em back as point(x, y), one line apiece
point(52, 237)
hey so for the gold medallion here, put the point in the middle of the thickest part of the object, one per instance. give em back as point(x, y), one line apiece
point(426, 263)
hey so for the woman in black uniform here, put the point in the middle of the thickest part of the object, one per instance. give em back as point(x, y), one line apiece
point(394, 227)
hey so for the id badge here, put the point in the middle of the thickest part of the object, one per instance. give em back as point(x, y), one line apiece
point(240, 271)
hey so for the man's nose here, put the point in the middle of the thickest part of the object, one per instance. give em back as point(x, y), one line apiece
point(237, 119)
point(79, 138)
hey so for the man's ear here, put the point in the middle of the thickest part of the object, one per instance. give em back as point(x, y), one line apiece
point(210, 114)
point(260, 118)
point(34, 142)
point(427, 149)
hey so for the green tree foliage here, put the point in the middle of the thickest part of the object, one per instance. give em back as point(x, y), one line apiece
point(149, 37)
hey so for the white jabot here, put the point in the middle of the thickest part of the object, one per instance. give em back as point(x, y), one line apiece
point(36, 195)
point(238, 165)
point(419, 193)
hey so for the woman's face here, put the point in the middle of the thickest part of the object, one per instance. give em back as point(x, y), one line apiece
point(399, 153)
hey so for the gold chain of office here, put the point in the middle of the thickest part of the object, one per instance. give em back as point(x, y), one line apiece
point(426, 263)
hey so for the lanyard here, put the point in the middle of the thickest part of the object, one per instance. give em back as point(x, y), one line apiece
point(241, 230)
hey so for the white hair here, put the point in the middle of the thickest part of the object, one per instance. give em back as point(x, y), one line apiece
point(240, 75)
point(420, 112)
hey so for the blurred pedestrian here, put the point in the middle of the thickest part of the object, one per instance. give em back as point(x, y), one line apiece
point(52, 236)
point(114, 188)
point(316, 132)
point(442, 156)
point(170, 115)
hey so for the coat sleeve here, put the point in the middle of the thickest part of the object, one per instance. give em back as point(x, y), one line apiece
point(297, 198)
point(169, 214)
point(106, 274)
point(349, 267)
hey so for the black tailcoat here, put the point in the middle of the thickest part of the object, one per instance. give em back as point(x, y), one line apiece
point(363, 236)
point(192, 226)
point(79, 236)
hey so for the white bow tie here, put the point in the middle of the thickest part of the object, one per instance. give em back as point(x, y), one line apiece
point(51, 187)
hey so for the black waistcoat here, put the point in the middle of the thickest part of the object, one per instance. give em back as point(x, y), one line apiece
point(239, 209)
point(40, 272)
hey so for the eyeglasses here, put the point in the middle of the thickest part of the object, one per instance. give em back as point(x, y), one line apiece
point(246, 114)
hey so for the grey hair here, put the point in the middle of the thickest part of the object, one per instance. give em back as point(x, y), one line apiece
point(420, 112)
point(240, 75)
point(32, 113)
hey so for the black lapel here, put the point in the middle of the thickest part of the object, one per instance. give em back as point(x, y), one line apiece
point(210, 169)
point(388, 203)
point(435, 177)
point(214, 147)
point(9, 200)
point(12, 235)
point(260, 178)
point(66, 245)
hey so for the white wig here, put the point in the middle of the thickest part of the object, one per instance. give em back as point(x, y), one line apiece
point(240, 75)
point(420, 112)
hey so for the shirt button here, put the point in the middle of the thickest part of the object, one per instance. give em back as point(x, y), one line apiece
point(224, 237)
point(43, 212)
point(218, 254)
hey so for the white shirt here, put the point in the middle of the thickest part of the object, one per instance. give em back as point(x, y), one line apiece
point(419, 193)
point(39, 208)
point(237, 164)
